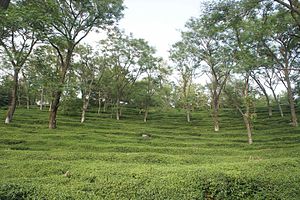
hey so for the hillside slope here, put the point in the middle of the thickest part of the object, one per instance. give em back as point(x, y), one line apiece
point(109, 159)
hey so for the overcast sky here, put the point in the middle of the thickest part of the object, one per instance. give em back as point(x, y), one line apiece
point(158, 21)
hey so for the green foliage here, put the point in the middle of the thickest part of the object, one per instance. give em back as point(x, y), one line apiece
point(16, 192)
point(71, 106)
point(5, 86)
point(109, 159)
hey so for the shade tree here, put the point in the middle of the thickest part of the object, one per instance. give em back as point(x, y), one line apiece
point(18, 36)
point(68, 23)
point(208, 42)
point(281, 44)
point(88, 68)
point(186, 64)
point(126, 59)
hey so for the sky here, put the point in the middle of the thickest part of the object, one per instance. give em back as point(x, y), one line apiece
point(158, 21)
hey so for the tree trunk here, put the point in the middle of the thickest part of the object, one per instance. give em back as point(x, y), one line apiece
point(83, 113)
point(84, 109)
point(146, 115)
point(13, 102)
point(19, 95)
point(86, 100)
point(260, 85)
point(270, 109)
point(216, 113)
point(246, 115)
point(247, 122)
point(28, 102)
point(42, 99)
point(54, 108)
point(291, 99)
point(118, 110)
point(188, 115)
point(4, 4)
point(99, 103)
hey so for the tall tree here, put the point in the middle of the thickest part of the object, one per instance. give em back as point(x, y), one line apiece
point(144, 90)
point(69, 22)
point(208, 42)
point(239, 95)
point(126, 58)
point(89, 70)
point(186, 64)
point(17, 39)
point(282, 46)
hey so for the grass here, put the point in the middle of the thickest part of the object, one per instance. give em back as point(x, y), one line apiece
point(108, 159)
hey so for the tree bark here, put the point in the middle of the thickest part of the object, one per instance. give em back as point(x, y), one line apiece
point(248, 126)
point(4, 4)
point(42, 99)
point(260, 85)
point(188, 115)
point(54, 108)
point(13, 102)
point(86, 100)
point(99, 103)
point(27, 102)
point(118, 109)
point(291, 98)
point(216, 113)
point(246, 115)
point(84, 108)
point(146, 115)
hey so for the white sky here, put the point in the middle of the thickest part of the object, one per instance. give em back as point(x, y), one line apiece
point(158, 21)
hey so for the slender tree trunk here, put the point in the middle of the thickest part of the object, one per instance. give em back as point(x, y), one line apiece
point(19, 95)
point(291, 99)
point(246, 115)
point(28, 102)
point(247, 122)
point(118, 109)
point(42, 99)
point(270, 109)
point(99, 102)
point(188, 115)
point(146, 114)
point(216, 113)
point(84, 109)
point(260, 85)
point(277, 102)
point(13, 102)
point(4, 4)
point(54, 108)
point(86, 100)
